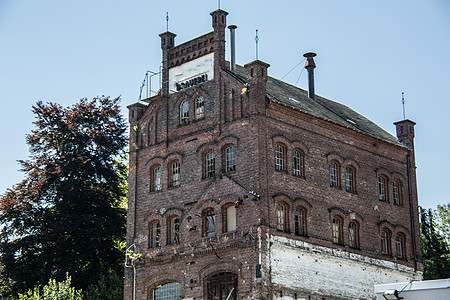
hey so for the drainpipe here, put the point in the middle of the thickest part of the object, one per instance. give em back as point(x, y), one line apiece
point(233, 47)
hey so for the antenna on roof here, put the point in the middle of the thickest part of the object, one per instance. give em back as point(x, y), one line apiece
point(218, 3)
point(167, 21)
point(403, 103)
point(256, 41)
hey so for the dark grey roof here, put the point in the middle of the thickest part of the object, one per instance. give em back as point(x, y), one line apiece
point(295, 97)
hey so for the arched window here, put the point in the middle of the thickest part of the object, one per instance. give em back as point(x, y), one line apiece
point(337, 230)
point(230, 161)
point(350, 179)
point(297, 163)
point(229, 218)
point(222, 286)
point(199, 107)
point(400, 246)
point(397, 192)
point(173, 230)
point(300, 221)
point(210, 165)
point(385, 242)
point(282, 220)
point(175, 173)
point(382, 188)
point(334, 174)
point(209, 222)
point(167, 291)
point(280, 154)
point(353, 234)
point(184, 112)
point(154, 234)
point(156, 176)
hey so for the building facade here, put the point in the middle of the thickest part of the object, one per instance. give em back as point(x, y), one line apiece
point(242, 186)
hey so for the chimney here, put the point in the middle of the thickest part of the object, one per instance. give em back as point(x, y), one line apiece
point(310, 65)
point(233, 47)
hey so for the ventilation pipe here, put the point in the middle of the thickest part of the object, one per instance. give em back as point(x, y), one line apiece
point(233, 47)
point(310, 65)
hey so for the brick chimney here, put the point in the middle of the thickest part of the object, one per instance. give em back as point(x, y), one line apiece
point(257, 80)
point(219, 23)
point(167, 43)
point(405, 132)
point(310, 65)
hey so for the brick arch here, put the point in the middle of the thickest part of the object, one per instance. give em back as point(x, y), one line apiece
point(173, 210)
point(207, 146)
point(228, 140)
point(282, 197)
point(333, 156)
point(352, 163)
point(302, 202)
point(174, 155)
point(300, 146)
point(158, 278)
point(157, 160)
point(232, 266)
point(280, 139)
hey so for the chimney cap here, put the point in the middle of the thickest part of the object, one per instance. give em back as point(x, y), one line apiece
point(232, 27)
point(309, 54)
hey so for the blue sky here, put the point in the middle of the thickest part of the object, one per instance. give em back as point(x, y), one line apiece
point(369, 52)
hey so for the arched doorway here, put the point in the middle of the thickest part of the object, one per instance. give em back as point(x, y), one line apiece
point(222, 286)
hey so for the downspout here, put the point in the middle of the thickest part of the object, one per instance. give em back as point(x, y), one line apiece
point(411, 209)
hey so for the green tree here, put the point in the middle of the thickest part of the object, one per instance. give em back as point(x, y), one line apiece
point(109, 287)
point(65, 216)
point(443, 220)
point(436, 252)
point(54, 290)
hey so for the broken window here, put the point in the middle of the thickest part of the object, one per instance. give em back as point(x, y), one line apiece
point(300, 221)
point(184, 112)
point(175, 174)
point(209, 222)
point(230, 165)
point(281, 217)
point(154, 234)
point(353, 235)
point(199, 108)
point(174, 230)
point(222, 286)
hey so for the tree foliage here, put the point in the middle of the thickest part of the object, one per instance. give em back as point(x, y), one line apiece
point(53, 290)
point(65, 217)
point(436, 251)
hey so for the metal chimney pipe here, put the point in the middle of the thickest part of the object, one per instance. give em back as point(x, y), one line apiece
point(310, 65)
point(233, 47)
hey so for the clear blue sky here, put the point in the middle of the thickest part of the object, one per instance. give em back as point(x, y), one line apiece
point(369, 52)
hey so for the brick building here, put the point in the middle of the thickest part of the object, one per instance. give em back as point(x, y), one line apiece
point(242, 186)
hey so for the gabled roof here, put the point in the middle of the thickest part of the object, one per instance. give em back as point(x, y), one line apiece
point(297, 98)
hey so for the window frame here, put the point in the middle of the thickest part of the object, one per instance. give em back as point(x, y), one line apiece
point(337, 230)
point(210, 164)
point(208, 215)
point(225, 218)
point(169, 295)
point(383, 188)
point(385, 237)
point(350, 179)
point(184, 112)
point(353, 239)
point(154, 185)
point(280, 157)
point(215, 284)
point(282, 217)
point(199, 107)
point(298, 163)
point(397, 192)
point(300, 221)
point(402, 244)
point(229, 159)
point(154, 234)
point(334, 174)
point(173, 230)
point(174, 173)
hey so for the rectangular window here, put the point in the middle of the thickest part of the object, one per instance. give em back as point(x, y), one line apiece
point(382, 188)
point(230, 165)
point(297, 163)
point(333, 174)
point(175, 174)
point(281, 217)
point(396, 192)
point(349, 180)
point(157, 175)
point(210, 164)
point(155, 234)
point(279, 157)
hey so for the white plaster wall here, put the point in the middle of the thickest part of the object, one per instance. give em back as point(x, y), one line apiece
point(191, 69)
point(298, 265)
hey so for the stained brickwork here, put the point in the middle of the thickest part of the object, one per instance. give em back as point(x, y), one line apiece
point(241, 110)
